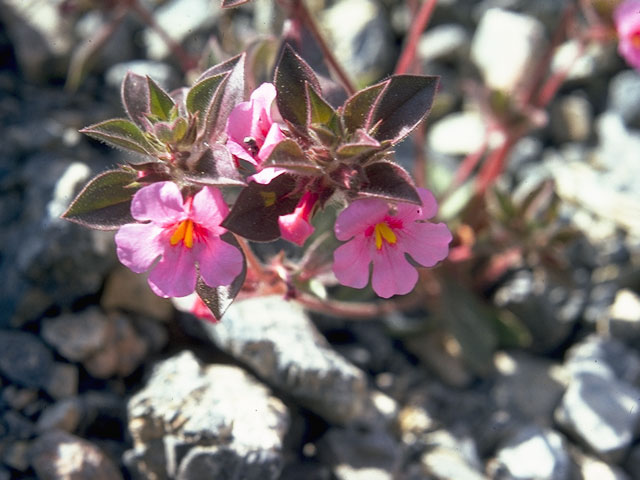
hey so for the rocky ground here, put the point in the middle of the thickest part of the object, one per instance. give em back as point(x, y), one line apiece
point(101, 379)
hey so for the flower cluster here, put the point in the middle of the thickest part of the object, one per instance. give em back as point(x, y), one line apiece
point(627, 19)
point(287, 152)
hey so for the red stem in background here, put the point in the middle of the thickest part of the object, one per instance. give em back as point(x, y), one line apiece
point(300, 10)
point(417, 27)
point(186, 61)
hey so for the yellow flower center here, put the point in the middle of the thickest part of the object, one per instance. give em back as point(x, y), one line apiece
point(184, 234)
point(384, 232)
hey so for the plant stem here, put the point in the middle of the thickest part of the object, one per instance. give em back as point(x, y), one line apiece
point(417, 27)
point(300, 10)
point(356, 310)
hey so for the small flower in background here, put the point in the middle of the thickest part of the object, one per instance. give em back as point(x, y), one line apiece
point(251, 130)
point(627, 19)
point(183, 234)
point(382, 235)
point(295, 226)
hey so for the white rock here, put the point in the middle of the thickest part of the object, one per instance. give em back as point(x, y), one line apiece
point(458, 133)
point(446, 42)
point(506, 47)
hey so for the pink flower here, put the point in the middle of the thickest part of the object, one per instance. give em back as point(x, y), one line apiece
point(183, 234)
point(383, 234)
point(627, 19)
point(252, 133)
point(295, 226)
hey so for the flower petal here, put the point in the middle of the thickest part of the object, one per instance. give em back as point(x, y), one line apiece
point(274, 136)
point(392, 273)
point(139, 245)
point(266, 175)
point(627, 17)
point(175, 274)
point(239, 151)
point(209, 209)
point(427, 243)
point(408, 212)
point(359, 216)
point(159, 202)
point(220, 263)
point(294, 228)
point(239, 122)
point(351, 262)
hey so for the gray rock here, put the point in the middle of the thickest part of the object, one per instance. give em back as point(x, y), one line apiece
point(549, 307)
point(602, 413)
point(24, 359)
point(15, 455)
point(444, 42)
point(364, 43)
point(63, 415)
point(18, 398)
point(450, 458)
point(58, 455)
point(356, 455)
point(632, 463)
point(182, 18)
point(506, 65)
point(591, 468)
point(605, 357)
point(63, 381)
point(77, 336)
point(623, 317)
point(532, 452)
point(41, 36)
point(222, 419)
point(571, 118)
point(278, 341)
point(527, 387)
point(624, 97)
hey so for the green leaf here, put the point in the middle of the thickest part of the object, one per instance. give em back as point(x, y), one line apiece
point(105, 202)
point(291, 76)
point(160, 103)
point(120, 133)
point(360, 145)
point(255, 213)
point(218, 299)
point(202, 93)
point(357, 109)
point(289, 155)
point(320, 112)
point(135, 98)
point(389, 181)
point(404, 103)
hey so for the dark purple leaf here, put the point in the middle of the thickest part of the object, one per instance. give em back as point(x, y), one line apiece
point(105, 202)
point(213, 166)
point(358, 108)
point(289, 155)
point(360, 145)
point(135, 98)
point(230, 93)
point(389, 181)
point(233, 3)
point(255, 213)
point(218, 299)
point(404, 103)
point(120, 133)
point(223, 67)
point(291, 76)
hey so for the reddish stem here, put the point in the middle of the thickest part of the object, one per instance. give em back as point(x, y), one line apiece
point(300, 10)
point(186, 61)
point(417, 27)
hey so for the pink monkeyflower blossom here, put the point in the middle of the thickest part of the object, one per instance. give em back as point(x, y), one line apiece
point(295, 226)
point(627, 19)
point(383, 234)
point(183, 234)
point(251, 129)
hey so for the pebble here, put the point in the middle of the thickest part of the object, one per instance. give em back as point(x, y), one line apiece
point(507, 65)
point(24, 359)
point(449, 42)
point(64, 415)
point(77, 336)
point(532, 452)
point(58, 455)
point(624, 97)
point(277, 340)
point(63, 381)
point(571, 119)
point(221, 419)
